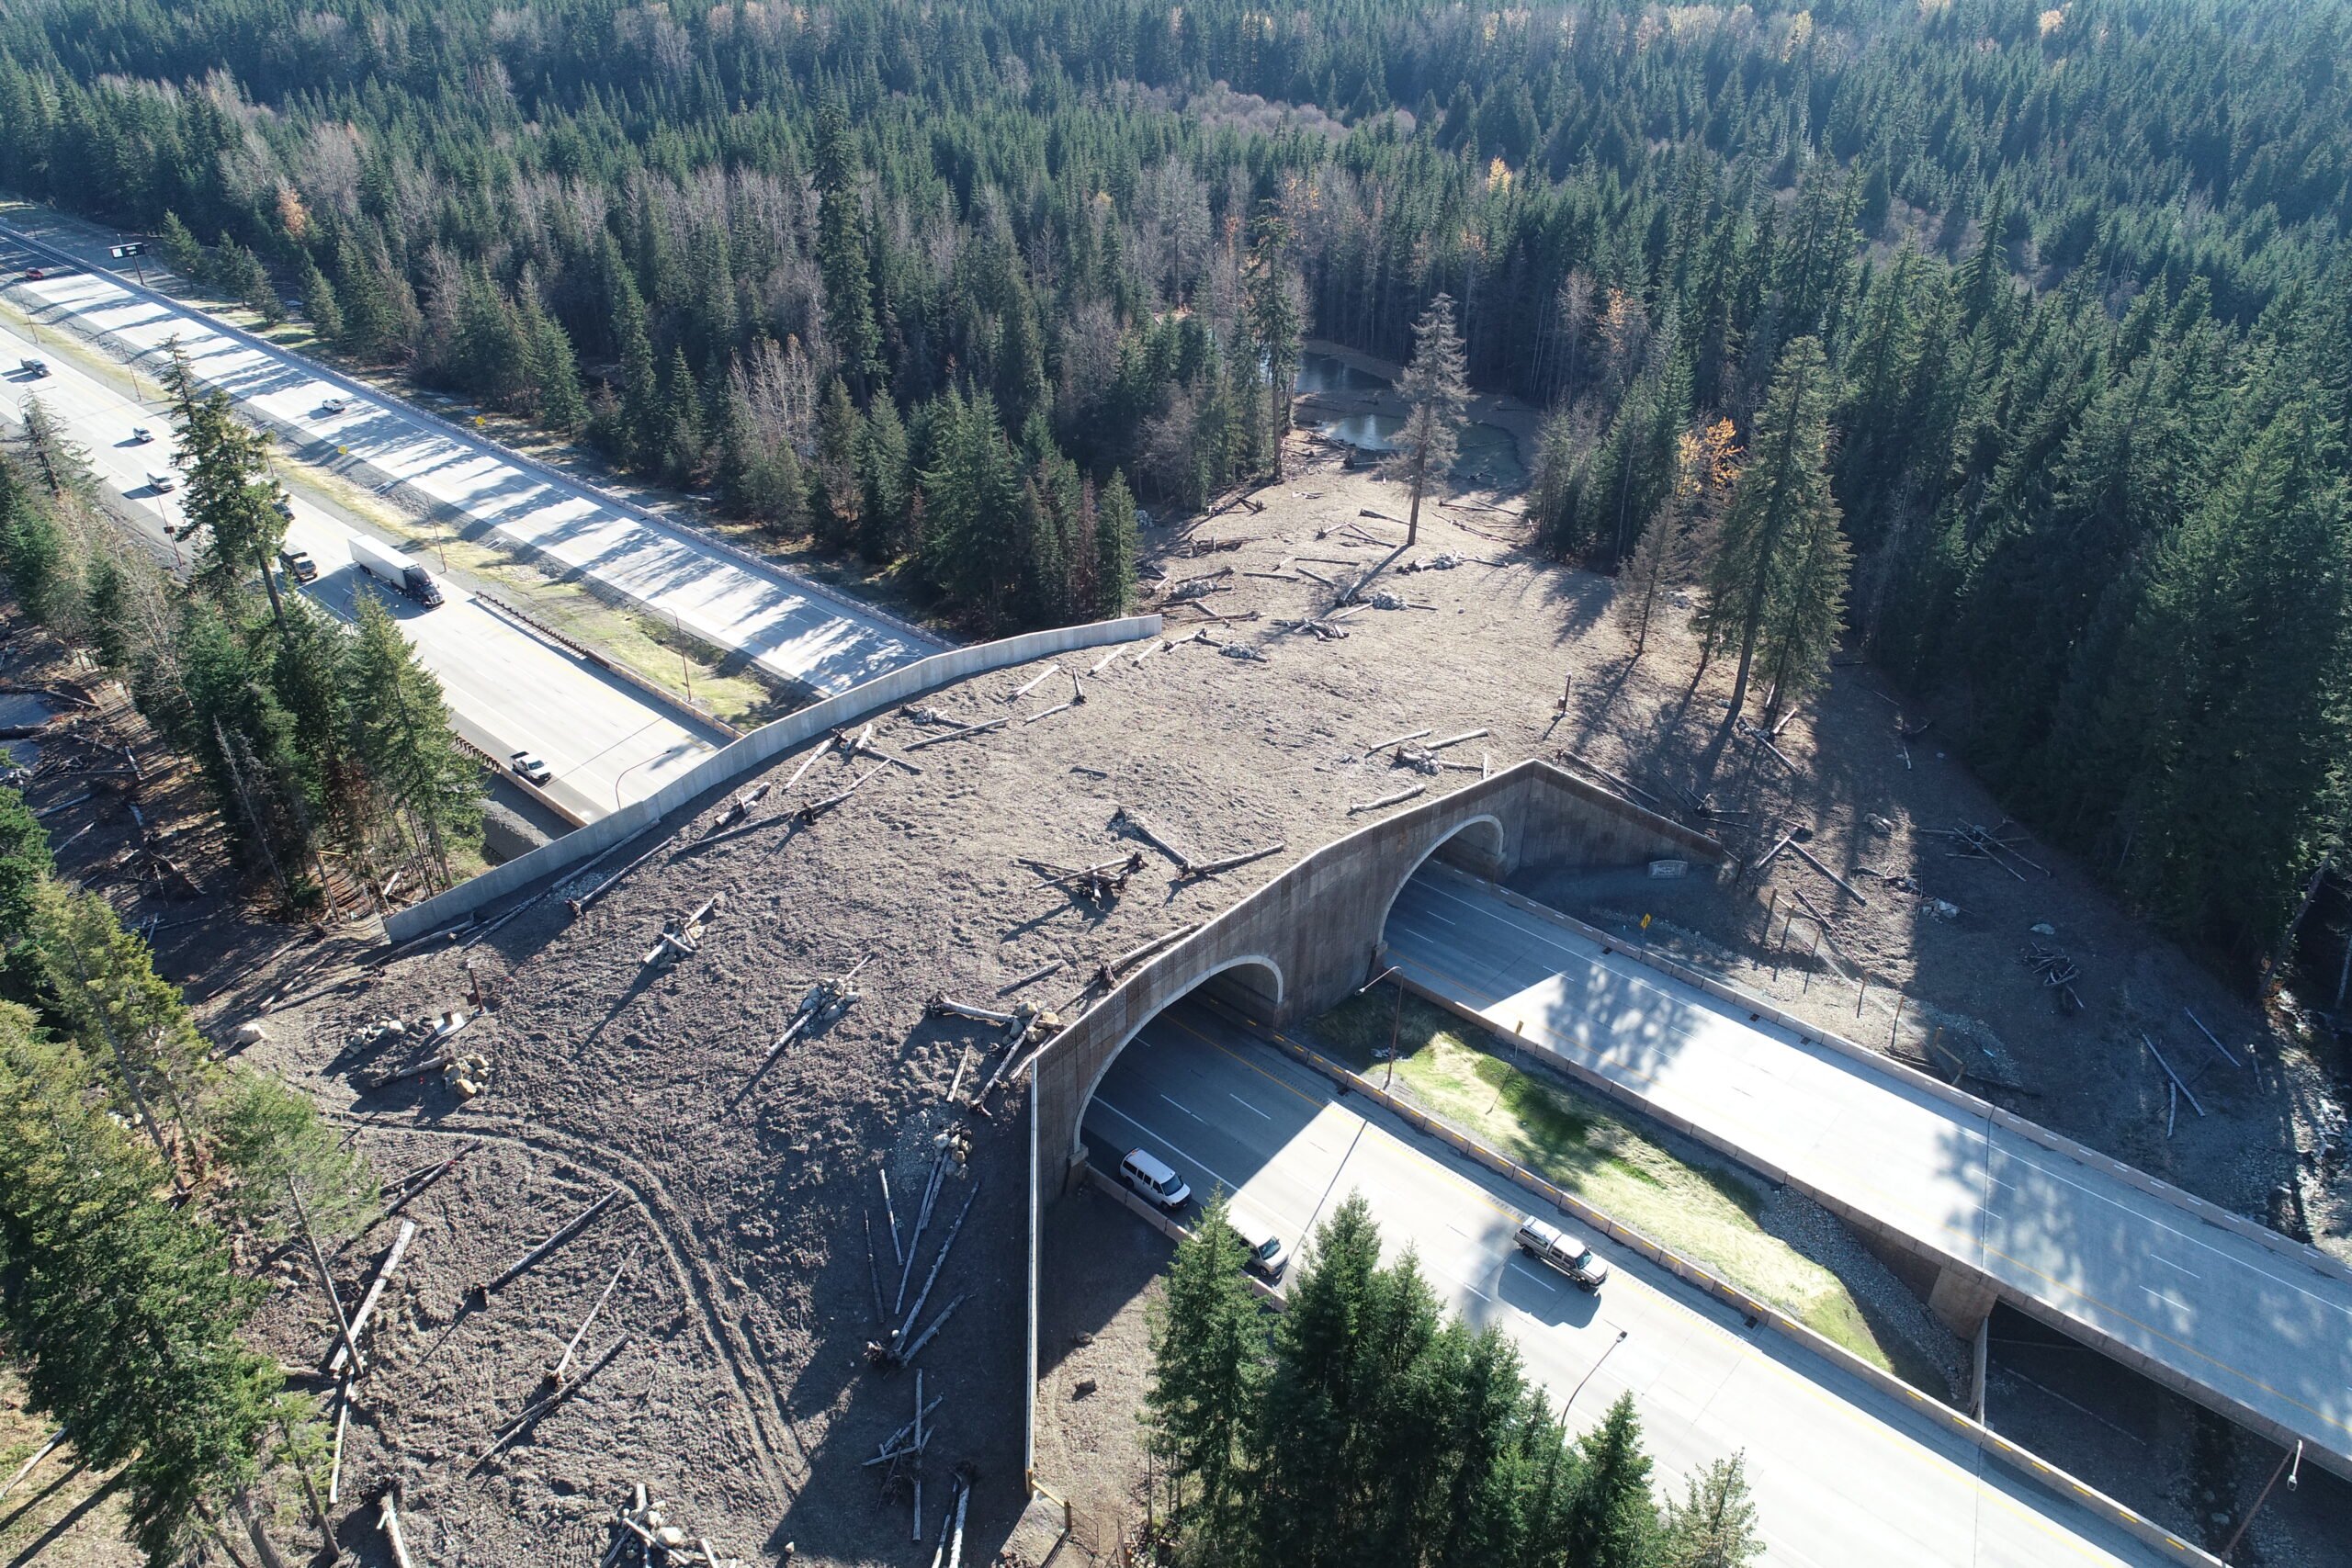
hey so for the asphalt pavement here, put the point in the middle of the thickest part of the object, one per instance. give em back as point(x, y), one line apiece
point(2259, 1327)
point(508, 690)
point(812, 637)
point(1841, 1473)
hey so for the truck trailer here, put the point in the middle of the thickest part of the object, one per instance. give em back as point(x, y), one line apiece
point(388, 565)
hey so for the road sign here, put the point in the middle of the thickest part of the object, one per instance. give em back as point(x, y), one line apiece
point(124, 253)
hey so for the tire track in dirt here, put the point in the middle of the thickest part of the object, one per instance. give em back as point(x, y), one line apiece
point(661, 1213)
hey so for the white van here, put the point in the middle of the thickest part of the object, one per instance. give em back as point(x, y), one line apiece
point(1267, 1255)
point(1563, 1250)
point(1155, 1179)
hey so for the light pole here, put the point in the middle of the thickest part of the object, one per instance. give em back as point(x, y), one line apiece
point(1396, 1023)
point(1588, 1377)
point(2296, 1458)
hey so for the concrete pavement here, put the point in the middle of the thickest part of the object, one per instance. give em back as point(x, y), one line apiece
point(507, 689)
point(2213, 1310)
point(818, 641)
point(1842, 1473)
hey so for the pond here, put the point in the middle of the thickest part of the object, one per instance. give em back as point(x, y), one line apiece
point(1320, 372)
point(1486, 454)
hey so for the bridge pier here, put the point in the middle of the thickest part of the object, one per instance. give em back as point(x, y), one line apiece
point(1962, 1299)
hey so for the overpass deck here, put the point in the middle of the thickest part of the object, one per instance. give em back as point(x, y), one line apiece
point(2250, 1328)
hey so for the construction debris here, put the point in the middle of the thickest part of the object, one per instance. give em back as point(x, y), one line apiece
point(2058, 972)
point(1987, 844)
point(1100, 883)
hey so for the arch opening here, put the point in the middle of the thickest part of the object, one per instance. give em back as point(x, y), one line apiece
point(1251, 984)
point(1475, 846)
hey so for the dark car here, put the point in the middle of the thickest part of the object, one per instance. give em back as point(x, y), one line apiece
point(300, 565)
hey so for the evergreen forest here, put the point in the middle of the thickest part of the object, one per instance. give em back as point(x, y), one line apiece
point(958, 285)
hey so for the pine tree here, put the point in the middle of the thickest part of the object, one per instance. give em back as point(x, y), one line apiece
point(24, 864)
point(34, 553)
point(1115, 547)
point(318, 303)
point(971, 501)
point(842, 253)
point(183, 252)
point(371, 317)
point(401, 733)
point(1436, 389)
point(1612, 1522)
point(840, 489)
point(682, 448)
point(886, 474)
point(59, 464)
point(1271, 285)
point(1307, 1512)
point(1778, 576)
point(1208, 1348)
point(644, 430)
point(1714, 1525)
point(233, 498)
point(553, 373)
point(1706, 465)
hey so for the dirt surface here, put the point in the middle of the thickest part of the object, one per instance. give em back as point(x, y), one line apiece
point(742, 1393)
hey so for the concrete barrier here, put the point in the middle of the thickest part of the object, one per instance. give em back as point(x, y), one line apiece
point(755, 749)
point(1712, 1284)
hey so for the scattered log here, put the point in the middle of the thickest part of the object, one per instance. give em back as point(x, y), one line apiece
point(891, 1212)
point(1038, 681)
point(1750, 732)
point(739, 807)
point(965, 733)
point(873, 1271)
point(39, 1454)
point(1457, 739)
point(936, 1325)
point(326, 1278)
point(2159, 1056)
point(2216, 1039)
point(1809, 860)
point(938, 1262)
point(1397, 797)
point(376, 1287)
point(942, 1004)
point(929, 1192)
point(1396, 741)
point(1106, 661)
point(547, 1405)
point(806, 764)
point(571, 1228)
point(556, 1378)
point(388, 1520)
point(342, 1425)
point(1605, 776)
point(816, 808)
point(1038, 973)
point(1136, 956)
point(1122, 817)
point(1211, 868)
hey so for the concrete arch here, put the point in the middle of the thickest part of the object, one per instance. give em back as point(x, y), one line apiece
point(1487, 846)
point(1262, 964)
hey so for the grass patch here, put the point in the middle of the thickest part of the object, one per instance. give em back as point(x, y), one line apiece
point(1705, 1211)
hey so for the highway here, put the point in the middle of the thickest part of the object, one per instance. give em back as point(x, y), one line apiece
point(1842, 1474)
point(508, 690)
point(2260, 1328)
point(816, 640)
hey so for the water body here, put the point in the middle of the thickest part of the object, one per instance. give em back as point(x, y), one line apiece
point(1486, 454)
point(1327, 373)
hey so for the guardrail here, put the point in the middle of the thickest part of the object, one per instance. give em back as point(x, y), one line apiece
point(1712, 1284)
point(458, 905)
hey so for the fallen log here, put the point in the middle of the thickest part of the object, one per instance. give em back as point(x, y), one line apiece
point(965, 733)
point(1457, 739)
point(1396, 740)
point(1034, 683)
point(582, 1332)
point(1211, 868)
point(376, 1287)
point(1143, 830)
point(816, 808)
point(1038, 973)
point(1832, 876)
point(571, 1228)
point(1136, 956)
point(1397, 797)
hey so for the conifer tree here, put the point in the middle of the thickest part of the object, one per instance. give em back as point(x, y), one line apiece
point(840, 442)
point(402, 735)
point(885, 475)
point(553, 373)
point(1115, 547)
point(1778, 576)
point(1714, 1525)
point(58, 463)
point(318, 303)
point(1274, 313)
point(842, 252)
point(1436, 388)
point(1208, 1360)
point(1612, 1522)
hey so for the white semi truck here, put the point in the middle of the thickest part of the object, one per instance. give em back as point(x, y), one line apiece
point(388, 565)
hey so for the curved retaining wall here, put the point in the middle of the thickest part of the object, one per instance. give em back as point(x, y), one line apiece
point(755, 749)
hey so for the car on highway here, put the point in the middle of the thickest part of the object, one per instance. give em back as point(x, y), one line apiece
point(1563, 1250)
point(526, 765)
point(36, 368)
point(1155, 1179)
point(1267, 1256)
point(161, 479)
point(334, 405)
point(298, 565)
point(141, 435)
point(34, 275)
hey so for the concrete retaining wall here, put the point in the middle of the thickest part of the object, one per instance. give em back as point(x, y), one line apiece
point(754, 751)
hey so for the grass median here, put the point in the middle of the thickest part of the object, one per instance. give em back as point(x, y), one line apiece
point(1705, 1211)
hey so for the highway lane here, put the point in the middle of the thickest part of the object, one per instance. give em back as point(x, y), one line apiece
point(1842, 1474)
point(812, 637)
point(507, 689)
point(2259, 1327)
